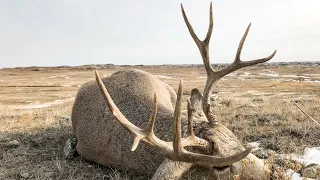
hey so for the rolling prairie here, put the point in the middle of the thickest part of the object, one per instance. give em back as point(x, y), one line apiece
point(254, 102)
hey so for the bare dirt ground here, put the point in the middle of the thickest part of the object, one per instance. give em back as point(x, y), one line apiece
point(255, 103)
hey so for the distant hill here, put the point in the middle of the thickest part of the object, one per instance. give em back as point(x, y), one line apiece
point(113, 66)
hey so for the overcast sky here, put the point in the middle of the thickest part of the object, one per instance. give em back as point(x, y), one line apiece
point(77, 32)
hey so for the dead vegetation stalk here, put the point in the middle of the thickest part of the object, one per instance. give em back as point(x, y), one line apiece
point(306, 113)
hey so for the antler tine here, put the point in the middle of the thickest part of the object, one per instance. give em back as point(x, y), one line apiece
point(114, 109)
point(149, 129)
point(237, 63)
point(202, 45)
point(249, 63)
point(243, 39)
point(119, 116)
point(149, 133)
point(177, 145)
point(207, 39)
point(135, 143)
point(190, 113)
point(193, 34)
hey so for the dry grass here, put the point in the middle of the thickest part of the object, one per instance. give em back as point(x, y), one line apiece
point(257, 107)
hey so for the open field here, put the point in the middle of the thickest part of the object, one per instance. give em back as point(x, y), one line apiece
point(255, 103)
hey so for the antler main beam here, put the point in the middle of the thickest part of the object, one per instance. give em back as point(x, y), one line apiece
point(214, 76)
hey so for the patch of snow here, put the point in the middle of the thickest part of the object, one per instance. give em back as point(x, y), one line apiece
point(310, 156)
point(106, 75)
point(59, 76)
point(241, 78)
point(269, 74)
point(224, 92)
point(311, 80)
point(164, 77)
point(312, 74)
point(286, 93)
point(38, 106)
point(245, 74)
point(290, 76)
point(254, 92)
point(304, 78)
point(232, 74)
point(255, 146)
point(293, 175)
point(43, 105)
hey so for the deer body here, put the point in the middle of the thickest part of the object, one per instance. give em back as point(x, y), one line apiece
point(102, 139)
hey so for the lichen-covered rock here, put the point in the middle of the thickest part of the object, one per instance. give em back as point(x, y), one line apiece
point(69, 150)
point(263, 153)
point(311, 171)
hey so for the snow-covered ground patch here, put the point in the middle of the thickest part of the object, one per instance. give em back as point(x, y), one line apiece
point(257, 93)
point(255, 146)
point(164, 77)
point(311, 80)
point(106, 75)
point(245, 74)
point(280, 77)
point(43, 105)
point(269, 74)
point(224, 92)
point(310, 156)
point(59, 76)
point(71, 85)
point(293, 175)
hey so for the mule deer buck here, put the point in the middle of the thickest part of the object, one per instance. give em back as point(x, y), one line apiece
point(105, 134)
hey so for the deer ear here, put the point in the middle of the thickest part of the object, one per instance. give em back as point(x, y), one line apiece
point(196, 102)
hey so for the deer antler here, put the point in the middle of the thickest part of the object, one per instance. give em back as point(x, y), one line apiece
point(214, 76)
point(172, 150)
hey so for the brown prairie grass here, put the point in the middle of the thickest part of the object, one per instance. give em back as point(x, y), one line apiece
point(255, 108)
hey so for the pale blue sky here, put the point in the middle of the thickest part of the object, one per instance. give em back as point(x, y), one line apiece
point(77, 32)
